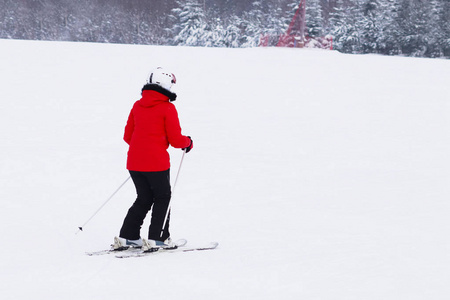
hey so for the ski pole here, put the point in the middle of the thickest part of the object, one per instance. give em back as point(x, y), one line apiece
point(173, 190)
point(81, 227)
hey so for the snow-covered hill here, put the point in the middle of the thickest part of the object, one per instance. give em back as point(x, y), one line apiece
point(321, 175)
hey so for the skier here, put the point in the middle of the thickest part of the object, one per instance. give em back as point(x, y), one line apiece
point(152, 126)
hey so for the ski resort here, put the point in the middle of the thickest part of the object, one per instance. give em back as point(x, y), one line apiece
point(297, 149)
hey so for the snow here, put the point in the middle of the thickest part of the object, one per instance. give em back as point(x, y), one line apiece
point(321, 175)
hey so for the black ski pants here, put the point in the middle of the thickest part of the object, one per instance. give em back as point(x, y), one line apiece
point(153, 193)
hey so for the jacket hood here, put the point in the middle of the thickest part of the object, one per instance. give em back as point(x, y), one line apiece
point(153, 94)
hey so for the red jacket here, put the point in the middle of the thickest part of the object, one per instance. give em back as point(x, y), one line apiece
point(152, 126)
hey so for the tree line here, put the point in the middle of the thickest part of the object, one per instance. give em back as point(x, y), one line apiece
point(392, 27)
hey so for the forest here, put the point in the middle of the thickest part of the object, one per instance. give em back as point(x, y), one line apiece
point(416, 28)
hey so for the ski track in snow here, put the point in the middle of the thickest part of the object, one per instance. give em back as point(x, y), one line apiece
point(321, 175)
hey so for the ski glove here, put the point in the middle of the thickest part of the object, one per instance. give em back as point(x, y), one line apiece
point(191, 145)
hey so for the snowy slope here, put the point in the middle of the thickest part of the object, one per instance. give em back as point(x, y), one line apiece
point(321, 175)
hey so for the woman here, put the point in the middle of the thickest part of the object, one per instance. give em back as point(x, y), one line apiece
point(152, 126)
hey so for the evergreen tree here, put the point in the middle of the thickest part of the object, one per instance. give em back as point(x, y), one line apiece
point(265, 19)
point(314, 18)
point(389, 41)
point(344, 23)
point(233, 35)
point(412, 21)
point(215, 36)
point(190, 26)
point(434, 31)
point(445, 25)
point(372, 26)
point(252, 23)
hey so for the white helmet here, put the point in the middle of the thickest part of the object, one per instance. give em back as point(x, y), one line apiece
point(162, 78)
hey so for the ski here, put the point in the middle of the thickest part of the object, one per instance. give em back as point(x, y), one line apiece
point(131, 250)
point(110, 251)
point(210, 246)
